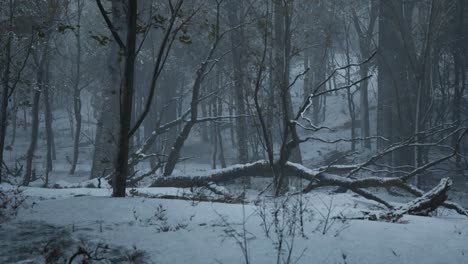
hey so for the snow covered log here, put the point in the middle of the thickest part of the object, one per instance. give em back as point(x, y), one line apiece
point(422, 205)
point(429, 202)
point(447, 204)
point(322, 177)
point(257, 169)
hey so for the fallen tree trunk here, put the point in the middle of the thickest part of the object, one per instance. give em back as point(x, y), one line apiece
point(321, 177)
point(423, 205)
point(429, 202)
point(259, 168)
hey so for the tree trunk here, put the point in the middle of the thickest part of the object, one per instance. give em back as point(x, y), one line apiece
point(459, 71)
point(351, 107)
point(237, 46)
point(77, 92)
point(4, 107)
point(48, 119)
point(395, 96)
point(14, 121)
point(105, 151)
point(121, 167)
point(365, 41)
point(364, 108)
point(204, 127)
point(219, 105)
point(173, 156)
point(214, 125)
point(41, 68)
point(35, 123)
point(282, 53)
point(5, 91)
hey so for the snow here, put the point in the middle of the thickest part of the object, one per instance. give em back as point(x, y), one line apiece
point(202, 238)
point(202, 232)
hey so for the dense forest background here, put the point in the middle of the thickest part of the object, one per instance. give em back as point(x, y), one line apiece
point(263, 104)
point(130, 90)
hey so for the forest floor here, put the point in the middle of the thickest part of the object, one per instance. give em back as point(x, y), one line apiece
point(55, 222)
point(139, 229)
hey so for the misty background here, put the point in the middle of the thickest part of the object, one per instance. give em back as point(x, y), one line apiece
point(240, 98)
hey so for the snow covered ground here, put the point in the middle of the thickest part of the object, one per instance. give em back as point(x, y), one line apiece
point(175, 231)
point(141, 229)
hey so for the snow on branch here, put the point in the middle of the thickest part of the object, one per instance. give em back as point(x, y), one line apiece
point(323, 177)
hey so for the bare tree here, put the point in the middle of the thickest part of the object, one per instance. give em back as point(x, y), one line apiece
point(365, 35)
point(76, 88)
point(204, 69)
point(9, 81)
point(238, 42)
point(36, 93)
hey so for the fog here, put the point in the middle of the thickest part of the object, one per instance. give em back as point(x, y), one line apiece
point(233, 131)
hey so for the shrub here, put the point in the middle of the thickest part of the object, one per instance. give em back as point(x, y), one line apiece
point(10, 202)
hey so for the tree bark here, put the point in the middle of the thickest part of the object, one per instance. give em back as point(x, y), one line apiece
point(238, 61)
point(5, 90)
point(35, 121)
point(395, 110)
point(282, 53)
point(350, 95)
point(121, 167)
point(365, 41)
point(105, 151)
point(48, 119)
point(459, 71)
point(77, 91)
